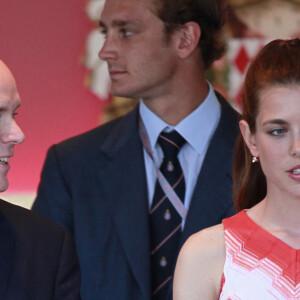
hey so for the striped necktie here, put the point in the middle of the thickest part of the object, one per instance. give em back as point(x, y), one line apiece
point(165, 222)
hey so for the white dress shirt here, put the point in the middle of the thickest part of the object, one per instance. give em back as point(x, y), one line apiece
point(197, 129)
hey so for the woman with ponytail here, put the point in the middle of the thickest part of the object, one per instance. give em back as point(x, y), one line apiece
point(256, 253)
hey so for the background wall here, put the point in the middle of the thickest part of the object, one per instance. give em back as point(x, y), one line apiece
point(43, 43)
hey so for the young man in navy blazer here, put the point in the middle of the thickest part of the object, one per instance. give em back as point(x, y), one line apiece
point(100, 185)
point(37, 257)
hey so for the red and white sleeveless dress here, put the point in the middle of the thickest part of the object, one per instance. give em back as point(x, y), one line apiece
point(258, 265)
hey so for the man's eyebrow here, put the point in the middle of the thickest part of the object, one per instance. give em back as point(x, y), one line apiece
point(101, 24)
point(5, 108)
point(120, 23)
point(275, 121)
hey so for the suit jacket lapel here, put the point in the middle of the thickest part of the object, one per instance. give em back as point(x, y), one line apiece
point(128, 195)
point(215, 178)
point(7, 243)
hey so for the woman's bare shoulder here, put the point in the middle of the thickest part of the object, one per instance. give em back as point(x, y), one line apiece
point(211, 237)
point(200, 264)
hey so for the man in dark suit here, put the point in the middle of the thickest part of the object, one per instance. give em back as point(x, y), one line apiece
point(37, 257)
point(109, 187)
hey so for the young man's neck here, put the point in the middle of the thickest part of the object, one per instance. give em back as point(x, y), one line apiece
point(176, 106)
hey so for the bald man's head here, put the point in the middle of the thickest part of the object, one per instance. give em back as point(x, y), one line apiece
point(7, 80)
point(10, 132)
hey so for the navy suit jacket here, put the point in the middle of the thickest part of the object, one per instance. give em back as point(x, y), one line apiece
point(95, 185)
point(37, 258)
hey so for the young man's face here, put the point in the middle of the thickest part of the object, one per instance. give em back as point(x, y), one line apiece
point(141, 61)
point(10, 132)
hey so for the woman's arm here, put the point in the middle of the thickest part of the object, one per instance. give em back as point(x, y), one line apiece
point(199, 267)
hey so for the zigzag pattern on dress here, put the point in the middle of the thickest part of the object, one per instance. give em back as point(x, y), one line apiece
point(258, 265)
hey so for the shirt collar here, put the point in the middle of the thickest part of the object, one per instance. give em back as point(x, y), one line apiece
point(202, 120)
point(153, 124)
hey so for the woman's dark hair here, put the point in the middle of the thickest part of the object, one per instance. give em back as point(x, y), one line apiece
point(208, 14)
point(278, 63)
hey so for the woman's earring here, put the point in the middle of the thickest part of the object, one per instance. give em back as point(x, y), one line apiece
point(254, 159)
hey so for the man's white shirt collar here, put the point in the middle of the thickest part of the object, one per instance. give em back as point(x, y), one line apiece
point(196, 128)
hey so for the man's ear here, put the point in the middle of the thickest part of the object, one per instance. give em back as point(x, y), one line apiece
point(249, 138)
point(188, 37)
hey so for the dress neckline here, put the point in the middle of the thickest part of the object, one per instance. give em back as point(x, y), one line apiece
point(249, 237)
point(266, 233)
